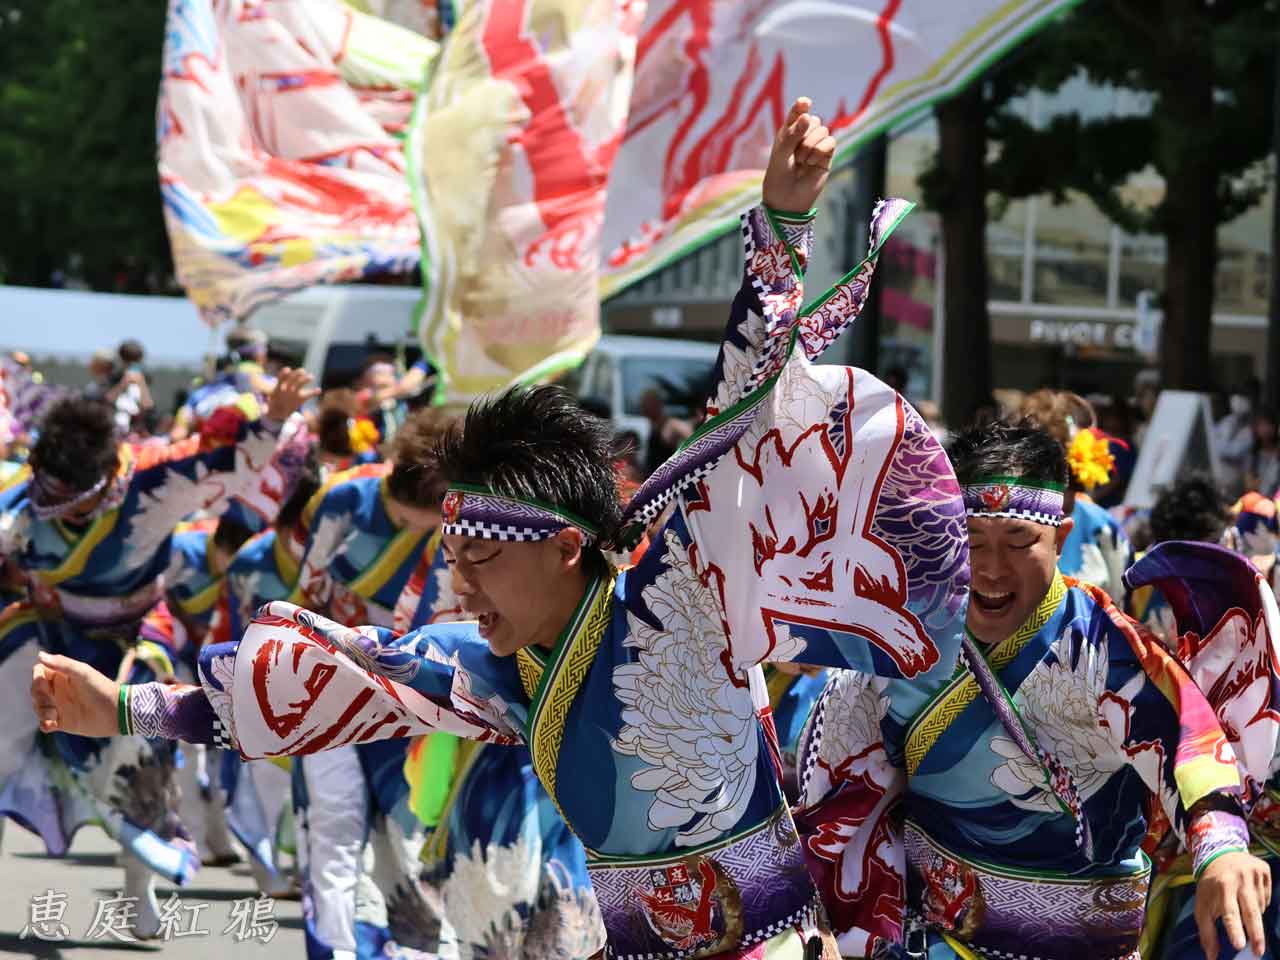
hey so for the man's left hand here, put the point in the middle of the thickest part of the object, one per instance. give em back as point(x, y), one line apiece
point(1236, 889)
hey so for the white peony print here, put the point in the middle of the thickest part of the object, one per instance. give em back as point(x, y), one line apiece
point(1061, 706)
point(695, 730)
point(483, 892)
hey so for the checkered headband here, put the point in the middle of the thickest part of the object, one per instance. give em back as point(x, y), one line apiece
point(1015, 498)
point(472, 511)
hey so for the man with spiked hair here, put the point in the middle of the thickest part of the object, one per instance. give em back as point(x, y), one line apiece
point(816, 519)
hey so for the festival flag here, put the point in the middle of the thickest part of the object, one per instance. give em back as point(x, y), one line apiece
point(714, 80)
point(509, 153)
point(281, 163)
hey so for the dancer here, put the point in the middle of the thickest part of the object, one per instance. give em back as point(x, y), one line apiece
point(91, 532)
point(501, 863)
point(366, 530)
point(257, 791)
point(1097, 550)
point(1217, 613)
point(193, 583)
point(785, 545)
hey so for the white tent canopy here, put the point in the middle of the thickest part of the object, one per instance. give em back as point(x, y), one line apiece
point(71, 324)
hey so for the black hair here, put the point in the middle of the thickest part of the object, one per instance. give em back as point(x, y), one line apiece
point(414, 478)
point(333, 432)
point(230, 534)
point(1005, 448)
point(626, 445)
point(245, 340)
point(130, 352)
point(538, 443)
point(1192, 509)
point(305, 487)
point(78, 443)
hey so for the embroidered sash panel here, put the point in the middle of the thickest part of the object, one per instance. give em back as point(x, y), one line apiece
point(699, 903)
point(1034, 915)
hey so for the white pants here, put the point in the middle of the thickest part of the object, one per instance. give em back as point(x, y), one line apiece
point(261, 798)
point(331, 846)
point(203, 804)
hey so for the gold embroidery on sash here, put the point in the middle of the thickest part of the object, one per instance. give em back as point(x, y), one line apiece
point(934, 720)
point(531, 669)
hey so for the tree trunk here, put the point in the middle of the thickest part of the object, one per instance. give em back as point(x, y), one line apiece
point(966, 361)
point(1190, 207)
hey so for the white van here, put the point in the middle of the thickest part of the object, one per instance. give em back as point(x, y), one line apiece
point(620, 370)
point(333, 328)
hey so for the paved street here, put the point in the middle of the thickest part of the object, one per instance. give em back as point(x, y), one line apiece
point(89, 874)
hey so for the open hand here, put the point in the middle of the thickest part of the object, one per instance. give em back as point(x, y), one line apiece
point(800, 162)
point(72, 697)
point(1236, 889)
point(292, 390)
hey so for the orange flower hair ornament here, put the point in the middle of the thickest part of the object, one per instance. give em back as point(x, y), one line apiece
point(1090, 459)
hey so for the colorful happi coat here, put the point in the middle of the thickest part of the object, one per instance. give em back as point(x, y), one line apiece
point(1225, 624)
point(817, 520)
point(357, 562)
point(88, 589)
point(193, 588)
point(508, 873)
point(256, 508)
point(1097, 550)
point(265, 568)
point(1022, 789)
point(234, 387)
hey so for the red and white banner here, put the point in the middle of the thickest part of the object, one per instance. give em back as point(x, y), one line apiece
point(714, 80)
point(509, 154)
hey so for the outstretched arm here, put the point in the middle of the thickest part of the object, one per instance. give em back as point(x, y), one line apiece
point(825, 516)
point(779, 239)
point(225, 460)
point(1174, 742)
point(296, 683)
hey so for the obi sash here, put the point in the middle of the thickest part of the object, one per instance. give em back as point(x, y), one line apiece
point(999, 912)
point(729, 895)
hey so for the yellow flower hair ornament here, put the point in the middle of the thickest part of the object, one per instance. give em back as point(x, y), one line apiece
point(1090, 458)
point(363, 434)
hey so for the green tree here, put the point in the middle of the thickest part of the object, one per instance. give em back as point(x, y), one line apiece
point(1207, 68)
point(78, 86)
